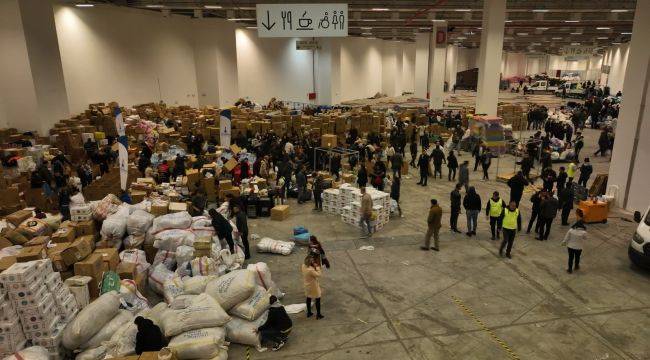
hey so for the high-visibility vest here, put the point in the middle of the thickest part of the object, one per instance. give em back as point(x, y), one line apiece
point(571, 170)
point(510, 219)
point(496, 207)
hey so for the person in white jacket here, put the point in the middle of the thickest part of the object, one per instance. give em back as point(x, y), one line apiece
point(574, 241)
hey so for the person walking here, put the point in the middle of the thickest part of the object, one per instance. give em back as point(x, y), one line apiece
point(241, 220)
point(463, 174)
point(423, 164)
point(455, 202)
point(571, 170)
point(396, 163)
point(578, 144)
point(566, 198)
point(311, 273)
point(366, 214)
point(318, 191)
point(585, 172)
point(413, 150)
point(547, 212)
point(574, 241)
point(223, 228)
point(486, 161)
point(494, 211)
point(477, 152)
point(395, 188)
point(433, 227)
point(472, 205)
point(536, 201)
point(603, 143)
point(438, 158)
point(517, 184)
point(561, 179)
point(362, 176)
point(452, 165)
point(511, 224)
point(301, 182)
point(316, 249)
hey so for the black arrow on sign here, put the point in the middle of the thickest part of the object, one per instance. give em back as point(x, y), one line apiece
point(268, 24)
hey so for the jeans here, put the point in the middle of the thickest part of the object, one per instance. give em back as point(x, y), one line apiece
point(437, 171)
point(368, 223)
point(423, 178)
point(472, 220)
point(574, 254)
point(508, 239)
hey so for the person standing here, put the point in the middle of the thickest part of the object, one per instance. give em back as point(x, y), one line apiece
point(438, 158)
point(536, 201)
point(547, 212)
point(366, 213)
point(517, 184)
point(452, 165)
point(275, 330)
point(486, 161)
point(548, 178)
point(301, 183)
point(561, 179)
point(423, 164)
point(574, 241)
point(396, 164)
point(463, 174)
point(566, 198)
point(318, 191)
point(603, 143)
point(578, 144)
point(455, 208)
point(433, 226)
point(511, 224)
point(477, 152)
point(241, 221)
point(395, 188)
point(413, 150)
point(472, 205)
point(223, 228)
point(585, 173)
point(316, 249)
point(494, 211)
point(571, 170)
point(311, 273)
point(526, 165)
point(362, 176)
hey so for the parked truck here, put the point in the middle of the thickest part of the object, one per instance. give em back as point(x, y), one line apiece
point(542, 87)
point(573, 90)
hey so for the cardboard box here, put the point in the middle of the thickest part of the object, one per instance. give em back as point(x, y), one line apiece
point(127, 270)
point(280, 212)
point(78, 286)
point(54, 253)
point(177, 207)
point(159, 209)
point(63, 235)
point(4, 242)
point(193, 177)
point(6, 262)
point(84, 228)
point(18, 217)
point(78, 250)
point(39, 240)
point(110, 257)
point(328, 141)
point(234, 191)
point(230, 164)
point(90, 266)
point(32, 253)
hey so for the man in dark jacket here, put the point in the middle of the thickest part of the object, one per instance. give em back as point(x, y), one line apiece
point(517, 184)
point(423, 164)
point(566, 202)
point(396, 164)
point(149, 336)
point(277, 327)
point(547, 212)
point(395, 189)
point(526, 165)
point(362, 176)
point(548, 177)
point(472, 205)
point(585, 172)
point(318, 191)
point(241, 220)
point(455, 203)
point(301, 182)
point(223, 228)
point(414, 151)
point(536, 201)
point(562, 176)
point(452, 165)
point(438, 158)
point(179, 165)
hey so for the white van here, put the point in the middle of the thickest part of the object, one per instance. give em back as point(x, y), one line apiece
point(639, 250)
point(542, 87)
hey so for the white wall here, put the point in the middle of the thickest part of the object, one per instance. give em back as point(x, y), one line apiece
point(513, 64)
point(360, 68)
point(408, 67)
point(125, 55)
point(467, 59)
point(616, 57)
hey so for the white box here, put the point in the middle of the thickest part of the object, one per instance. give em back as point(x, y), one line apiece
point(37, 307)
point(21, 273)
point(45, 326)
point(81, 295)
point(47, 333)
point(32, 299)
point(80, 210)
point(79, 218)
point(34, 289)
point(68, 306)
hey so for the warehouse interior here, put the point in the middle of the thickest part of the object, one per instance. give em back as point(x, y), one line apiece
point(162, 158)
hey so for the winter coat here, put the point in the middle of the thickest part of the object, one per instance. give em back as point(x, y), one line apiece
point(311, 281)
point(548, 208)
point(575, 238)
point(472, 201)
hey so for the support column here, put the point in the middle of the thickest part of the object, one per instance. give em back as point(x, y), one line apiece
point(629, 169)
point(421, 64)
point(437, 61)
point(328, 72)
point(494, 16)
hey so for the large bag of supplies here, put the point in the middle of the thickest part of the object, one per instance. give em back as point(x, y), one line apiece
point(244, 332)
point(232, 288)
point(254, 306)
point(122, 317)
point(139, 222)
point(263, 278)
point(135, 256)
point(173, 238)
point(196, 285)
point(268, 245)
point(172, 288)
point(178, 220)
point(202, 312)
point(207, 343)
point(30, 353)
point(90, 320)
point(157, 278)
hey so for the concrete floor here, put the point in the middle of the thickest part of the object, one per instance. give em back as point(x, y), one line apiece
point(464, 302)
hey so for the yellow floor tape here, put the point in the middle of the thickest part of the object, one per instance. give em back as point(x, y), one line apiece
point(248, 353)
point(471, 314)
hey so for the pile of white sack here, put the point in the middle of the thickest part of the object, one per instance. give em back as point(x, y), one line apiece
point(201, 315)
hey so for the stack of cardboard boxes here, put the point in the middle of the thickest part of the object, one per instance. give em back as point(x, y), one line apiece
point(513, 115)
point(12, 337)
point(346, 201)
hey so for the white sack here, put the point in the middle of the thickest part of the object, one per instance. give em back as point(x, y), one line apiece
point(178, 220)
point(139, 222)
point(133, 241)
point(263, 278)
point(173, 238)
point(97, 353)
point(122, 317)
point(232, 288)
point(137, 257)
point(268, 245)
point(172, 288)
point(114, 226)
point(252, 308)
point(244, 332)
point(165, 257)
point(158, 276)
point(204, 266)
point(205, 343)
point(184, 254)
point(196, 285)
point(30, 353)
point(203, 312)
point(90, 320)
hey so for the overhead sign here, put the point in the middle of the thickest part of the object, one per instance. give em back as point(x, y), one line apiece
point(307, 45)
point(302, 20)
point(576, 51)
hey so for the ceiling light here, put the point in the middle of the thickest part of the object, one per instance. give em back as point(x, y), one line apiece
point(536, 43)
point(380, 9)
point(603, 28)
point(557, 38)
point(602, 38)
point(212, 7)
point(365, 28)
point(618, 10)
point(542, 28)
point(616, 43)
point(571, 21)
point(461, 38)
point(575, 43)
point(367, 19)
point(366, 33)
point(463, 10)
point(508, 21)
point(241, 19)
point(626, 33)
point(155, 6)
point(251, 27)
point(522, 34)
point(425, 28)
point(479, 28)
point(81, 5)
point(438, 20)
point(540, 10)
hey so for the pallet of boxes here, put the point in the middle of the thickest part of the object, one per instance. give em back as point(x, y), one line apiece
point(346, 201)
point(513, 115)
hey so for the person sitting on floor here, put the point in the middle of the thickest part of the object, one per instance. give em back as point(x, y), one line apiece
point(277, 327)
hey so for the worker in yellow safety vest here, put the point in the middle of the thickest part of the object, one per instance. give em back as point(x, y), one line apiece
point(494, 212)
point(571, 171)
point(511, 224)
